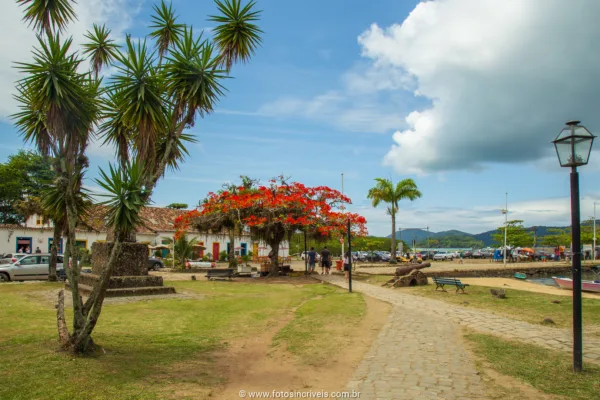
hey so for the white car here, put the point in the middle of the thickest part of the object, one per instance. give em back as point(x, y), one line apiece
point(10, 258)
point(443, 256)
point(199, 264)
point(30, 267)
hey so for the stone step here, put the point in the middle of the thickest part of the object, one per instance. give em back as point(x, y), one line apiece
point(85, 290)
point(118, 282)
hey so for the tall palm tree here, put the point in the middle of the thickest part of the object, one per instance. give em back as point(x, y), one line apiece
point(160, 87)
point(385, 191)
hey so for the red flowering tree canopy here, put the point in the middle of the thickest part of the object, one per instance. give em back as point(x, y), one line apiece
point(271, 211)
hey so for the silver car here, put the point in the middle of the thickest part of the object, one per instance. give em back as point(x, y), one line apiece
point(30, 267)
point(11, 257)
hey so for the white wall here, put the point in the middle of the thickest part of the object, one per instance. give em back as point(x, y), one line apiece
point(39, 238)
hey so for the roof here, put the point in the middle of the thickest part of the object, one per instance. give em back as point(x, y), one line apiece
point(154, 219)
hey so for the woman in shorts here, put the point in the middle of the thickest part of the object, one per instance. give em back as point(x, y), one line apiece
point(347, 265)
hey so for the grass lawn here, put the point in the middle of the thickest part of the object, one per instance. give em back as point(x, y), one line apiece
point(519, 304)
point(149, 344)
point(548, 371)
point(309, 335)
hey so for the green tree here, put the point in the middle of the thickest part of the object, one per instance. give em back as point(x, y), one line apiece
point(516, 235)
point(385, 191)
point(178, 206)
point(154, 96)
point(23, 179)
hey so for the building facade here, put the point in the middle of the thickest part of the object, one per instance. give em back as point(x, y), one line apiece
point(156, 229)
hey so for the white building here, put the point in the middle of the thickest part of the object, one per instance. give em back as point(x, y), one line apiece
point(157, 224)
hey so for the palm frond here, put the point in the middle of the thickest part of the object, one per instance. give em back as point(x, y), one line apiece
point(193, 78)
point(167, 30)
point(125, 199)
point(48, 15)
point(140, 88)
point(236, 36)
point(100, 49)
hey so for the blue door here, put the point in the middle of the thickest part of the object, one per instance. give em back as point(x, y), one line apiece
point(244, 249)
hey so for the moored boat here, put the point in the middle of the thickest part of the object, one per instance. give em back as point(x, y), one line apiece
point(520, 275)
point(586, 286)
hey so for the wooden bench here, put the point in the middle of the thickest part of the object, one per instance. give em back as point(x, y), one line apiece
point(440, 282)
point(219, 273)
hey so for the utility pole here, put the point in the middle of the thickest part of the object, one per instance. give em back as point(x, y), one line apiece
point(505, 212)
point(594, 249)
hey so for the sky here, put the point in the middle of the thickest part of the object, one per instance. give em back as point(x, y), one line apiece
point(463, 96)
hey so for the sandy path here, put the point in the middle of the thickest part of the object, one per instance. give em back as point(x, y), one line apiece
point(524, 285)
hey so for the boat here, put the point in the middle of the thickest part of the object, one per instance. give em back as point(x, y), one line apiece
point(586, 286)
point(520, 275)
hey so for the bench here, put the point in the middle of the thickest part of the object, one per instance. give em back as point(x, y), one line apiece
point(440, 282)
point(219, 273)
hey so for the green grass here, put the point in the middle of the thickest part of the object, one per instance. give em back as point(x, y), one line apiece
point(316, 322)
point(147, 343)
point(546, 370)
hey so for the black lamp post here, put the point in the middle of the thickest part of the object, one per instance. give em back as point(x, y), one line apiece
point(573, 147)
point(349, 258)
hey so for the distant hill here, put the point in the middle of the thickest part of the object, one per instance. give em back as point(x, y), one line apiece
point(454, 235)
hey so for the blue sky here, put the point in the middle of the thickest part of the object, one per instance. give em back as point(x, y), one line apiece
point(331, 93)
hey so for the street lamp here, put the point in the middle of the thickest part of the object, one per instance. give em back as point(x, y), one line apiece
point(505, 212)
point(573, 147)
point(594, 250)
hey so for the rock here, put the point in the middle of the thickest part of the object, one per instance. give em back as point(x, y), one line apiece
point(193, 277)
point(548, 321)
point(499, 293)
point(556, 301)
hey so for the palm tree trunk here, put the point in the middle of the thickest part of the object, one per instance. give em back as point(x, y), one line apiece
point(54, 251)
point(393, 258)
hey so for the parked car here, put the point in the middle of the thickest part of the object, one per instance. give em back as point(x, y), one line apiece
point(443, 256)
point(9, 258)
point(374, 257)
point(155, 264)
point(467, 254)
point(428, 255)
point(482, 254)
point(30, 267)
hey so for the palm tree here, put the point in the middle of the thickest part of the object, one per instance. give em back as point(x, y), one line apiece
point(384, 191)
point(185, 249)
point(156, 94)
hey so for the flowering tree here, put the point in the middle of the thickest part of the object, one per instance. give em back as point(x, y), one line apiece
point(274, 212)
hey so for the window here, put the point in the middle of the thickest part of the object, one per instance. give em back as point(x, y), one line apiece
point(28, 260)
point(59, 259)
point(82, 243)
point(24, 245)
point(44, 260)
point(39, 220)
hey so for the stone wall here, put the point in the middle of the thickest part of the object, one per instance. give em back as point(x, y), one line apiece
point(133, 260)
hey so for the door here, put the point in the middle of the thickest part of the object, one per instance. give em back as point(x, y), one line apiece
point(24, 245)
point(28, 268)
point(60, 245)
point(244, 249)
point(216, 248)
point(44, 267)
point(255, 249)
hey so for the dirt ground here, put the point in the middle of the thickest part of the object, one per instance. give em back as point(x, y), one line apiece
point(254, 364)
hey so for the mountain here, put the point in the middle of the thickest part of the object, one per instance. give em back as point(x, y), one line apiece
point(453, 235)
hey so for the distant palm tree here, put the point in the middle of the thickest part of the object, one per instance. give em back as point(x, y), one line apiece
point(185, 249)
point(384, 191)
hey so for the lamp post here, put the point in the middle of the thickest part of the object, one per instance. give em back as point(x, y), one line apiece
point(342, 241)
point(573, 147)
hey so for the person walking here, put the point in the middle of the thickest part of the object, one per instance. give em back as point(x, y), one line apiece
point(37, 250)
point(347, 265)
point(312, 260)
point(460, 257)
point(325, 260)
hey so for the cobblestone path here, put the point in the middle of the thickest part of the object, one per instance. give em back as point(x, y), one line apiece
point(419, 355)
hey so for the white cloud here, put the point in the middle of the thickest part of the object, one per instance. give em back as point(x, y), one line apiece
point(502, 78)
point(18, 39)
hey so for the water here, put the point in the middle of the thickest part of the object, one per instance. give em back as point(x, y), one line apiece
point(547, 280)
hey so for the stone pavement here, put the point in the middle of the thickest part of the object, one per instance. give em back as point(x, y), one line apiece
point(420, 355)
